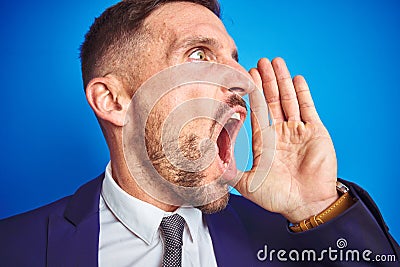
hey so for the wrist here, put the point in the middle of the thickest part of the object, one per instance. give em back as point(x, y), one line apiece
point(344, 201)
point(307, 210)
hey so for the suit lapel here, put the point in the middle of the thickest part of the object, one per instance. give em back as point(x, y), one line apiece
point(74, 237)
point(230, 240)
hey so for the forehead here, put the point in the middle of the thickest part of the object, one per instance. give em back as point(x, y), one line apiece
point(178, 20)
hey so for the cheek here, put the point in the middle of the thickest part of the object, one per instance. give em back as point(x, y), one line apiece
point(186, 101)
point(199, 127)
point(188, 110)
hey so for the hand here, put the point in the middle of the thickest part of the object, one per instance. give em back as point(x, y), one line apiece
point(302, 179)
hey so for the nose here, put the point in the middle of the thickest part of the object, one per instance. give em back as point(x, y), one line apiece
point(239, 79)
point(234, 64)
point(237, 90)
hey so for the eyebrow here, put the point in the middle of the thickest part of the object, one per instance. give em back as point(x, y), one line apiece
point(201, 40)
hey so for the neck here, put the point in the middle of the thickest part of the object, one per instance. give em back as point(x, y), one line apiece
point(124, 179)
point(121, 174)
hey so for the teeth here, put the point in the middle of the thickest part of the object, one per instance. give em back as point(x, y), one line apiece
point(226, 165)
point(236, 116)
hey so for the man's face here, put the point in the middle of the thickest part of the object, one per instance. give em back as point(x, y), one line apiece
point(184, 32)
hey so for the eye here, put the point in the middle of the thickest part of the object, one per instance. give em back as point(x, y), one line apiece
point(198, 54)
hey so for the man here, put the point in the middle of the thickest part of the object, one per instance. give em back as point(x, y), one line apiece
point(115, 221)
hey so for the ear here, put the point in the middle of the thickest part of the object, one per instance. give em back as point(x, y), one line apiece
point(108, 99)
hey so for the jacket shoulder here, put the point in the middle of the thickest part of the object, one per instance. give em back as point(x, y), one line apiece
point(245, 207)
point(38, 215)
point(58, 207)
point(254, 216)
point(24, 237)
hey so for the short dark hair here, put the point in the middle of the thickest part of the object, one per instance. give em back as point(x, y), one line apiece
point(116, 30)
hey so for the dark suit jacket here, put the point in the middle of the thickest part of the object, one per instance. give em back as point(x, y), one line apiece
point(66, 233)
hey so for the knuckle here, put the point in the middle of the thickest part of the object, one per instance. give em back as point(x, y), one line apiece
point(288, 96)
point(272, 99)
point(307, 105)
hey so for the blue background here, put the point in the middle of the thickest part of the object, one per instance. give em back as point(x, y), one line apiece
point(349, 53)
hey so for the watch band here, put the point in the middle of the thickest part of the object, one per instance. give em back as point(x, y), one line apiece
point(341, 204)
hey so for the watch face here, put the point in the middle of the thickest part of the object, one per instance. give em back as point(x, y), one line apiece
point(341, 187)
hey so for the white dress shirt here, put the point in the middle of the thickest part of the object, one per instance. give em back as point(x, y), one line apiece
point(130, 234)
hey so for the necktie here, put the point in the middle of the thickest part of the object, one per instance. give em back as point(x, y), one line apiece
point(172, 231)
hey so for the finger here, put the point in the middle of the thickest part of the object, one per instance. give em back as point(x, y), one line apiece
point(287, 92)
point(259, 116)
point(308, 112)
point(263, 136)
point(270, 88)
point(258, 106)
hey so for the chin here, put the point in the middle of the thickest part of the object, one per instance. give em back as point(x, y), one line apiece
point(215, 206)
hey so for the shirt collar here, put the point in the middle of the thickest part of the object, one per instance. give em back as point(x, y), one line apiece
point(142, 218)
point(193, 218)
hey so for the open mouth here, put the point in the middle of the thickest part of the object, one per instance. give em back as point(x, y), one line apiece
point(227, 135)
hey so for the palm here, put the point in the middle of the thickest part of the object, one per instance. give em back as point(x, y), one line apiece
point(303, 172)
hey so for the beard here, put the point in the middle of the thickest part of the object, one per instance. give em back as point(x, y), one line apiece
point(187, 173)
point(174, 172)
point(216, 205)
